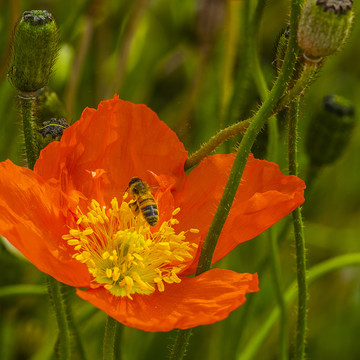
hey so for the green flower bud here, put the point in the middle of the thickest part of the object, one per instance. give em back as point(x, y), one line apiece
point(34, 51)
point(324, 27)
point(330, 130)
point(48, 106)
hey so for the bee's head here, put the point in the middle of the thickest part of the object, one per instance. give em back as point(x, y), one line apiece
point(134, 180)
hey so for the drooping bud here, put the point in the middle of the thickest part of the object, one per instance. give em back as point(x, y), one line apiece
point(50, 131)
point(48, 106)
point(34, 51)
point(324, 27)
point(330, 130)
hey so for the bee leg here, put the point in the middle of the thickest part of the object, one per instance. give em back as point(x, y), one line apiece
point(133, 205)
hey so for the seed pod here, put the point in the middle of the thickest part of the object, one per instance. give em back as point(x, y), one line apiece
point(324, 27)
point(34, 51)
point(330, 130)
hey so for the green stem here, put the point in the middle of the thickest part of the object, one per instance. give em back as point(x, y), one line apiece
point(109, 338)
point(248, 352)
point(299, 239)
point(27, 101)
point(215, 141)
point(118, 348)
point(308, 75)
point(245, 146)
point(180, 344)
point(21, 290)
point(242, 155)
point(66, 294)
point(59, 305)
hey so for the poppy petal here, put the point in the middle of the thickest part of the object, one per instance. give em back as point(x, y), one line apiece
point(123, 139)
point(32, 220)
point(200, 300)
point(265, 195)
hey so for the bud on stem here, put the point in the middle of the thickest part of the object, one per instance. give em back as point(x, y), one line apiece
point(324, 27)
point(34, 51)
point(330, 130)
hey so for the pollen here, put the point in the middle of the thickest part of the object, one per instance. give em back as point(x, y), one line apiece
point(125, 255)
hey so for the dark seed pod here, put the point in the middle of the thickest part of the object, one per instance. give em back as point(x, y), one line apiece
point(35, 46)
point(50, 131)
point(330, 130)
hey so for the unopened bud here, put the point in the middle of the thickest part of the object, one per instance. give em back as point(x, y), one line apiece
point(330, 130)
point(34, 51)
point(324, 27)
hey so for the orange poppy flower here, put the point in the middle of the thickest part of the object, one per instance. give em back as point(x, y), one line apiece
point(70, 217)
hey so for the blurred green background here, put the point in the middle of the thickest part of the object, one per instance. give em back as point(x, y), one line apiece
point(179, 58)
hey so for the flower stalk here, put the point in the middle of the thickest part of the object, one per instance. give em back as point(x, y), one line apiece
point(299, 240)
point(109, 338)
point(27, 101)
point(59, 305)
point(242, 155)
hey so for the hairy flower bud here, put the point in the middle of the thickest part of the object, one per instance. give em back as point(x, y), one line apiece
point(34, 50)
point(330, 130)
point(324, 26)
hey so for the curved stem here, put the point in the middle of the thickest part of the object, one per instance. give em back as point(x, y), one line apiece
point(248, 352)
point(307, 77)
point(243, 152)
point(215, 141)
point(109, 338)
point(245, 146)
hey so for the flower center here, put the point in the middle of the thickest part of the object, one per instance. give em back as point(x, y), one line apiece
point(121, 252)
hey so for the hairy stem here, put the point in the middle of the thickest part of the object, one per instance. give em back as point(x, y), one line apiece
point(109, 338)
point(299, 240)
point(57, 300)
point(27, 102)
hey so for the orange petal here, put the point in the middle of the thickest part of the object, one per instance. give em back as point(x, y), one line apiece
point(123, 139)
point(200, 300)
point(265, 196)
point(32, 219)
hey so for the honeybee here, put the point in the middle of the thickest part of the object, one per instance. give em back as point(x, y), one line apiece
point(143, 200)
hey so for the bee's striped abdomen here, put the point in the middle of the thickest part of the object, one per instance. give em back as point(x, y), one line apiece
point(149, 210)
point(143, 200)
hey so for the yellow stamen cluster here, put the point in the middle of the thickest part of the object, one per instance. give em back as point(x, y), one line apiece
point(123, 254)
